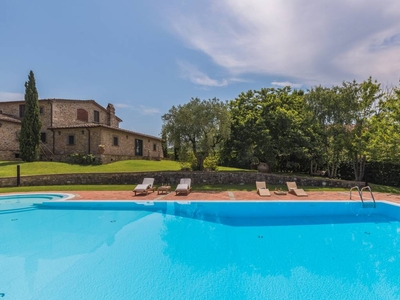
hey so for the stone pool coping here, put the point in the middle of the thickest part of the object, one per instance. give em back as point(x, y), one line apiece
point(227, 196)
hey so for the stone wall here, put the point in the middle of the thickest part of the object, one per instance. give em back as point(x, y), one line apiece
point(87, 141)
point(81, 139)
point(11, 108)
point(9, 144)
point(234, 178)
point(9, 155)
point(63, 114)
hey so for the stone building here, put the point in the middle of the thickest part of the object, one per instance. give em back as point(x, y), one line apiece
point(76, 126)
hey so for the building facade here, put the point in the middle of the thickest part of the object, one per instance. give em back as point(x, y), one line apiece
point(76, 126)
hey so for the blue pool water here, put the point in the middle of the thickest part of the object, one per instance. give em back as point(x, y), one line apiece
point(200, 250)
point(25, 201)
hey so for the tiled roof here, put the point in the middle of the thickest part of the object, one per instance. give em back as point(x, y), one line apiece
point(94, 125)
point(66, 100)
point(48, 99)
point(8, 118)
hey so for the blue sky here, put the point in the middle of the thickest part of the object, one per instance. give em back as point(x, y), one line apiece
point(146, 56)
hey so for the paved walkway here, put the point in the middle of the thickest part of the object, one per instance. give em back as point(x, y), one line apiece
point(227, 196)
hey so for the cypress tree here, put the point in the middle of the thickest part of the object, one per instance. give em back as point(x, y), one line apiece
point(30, 128)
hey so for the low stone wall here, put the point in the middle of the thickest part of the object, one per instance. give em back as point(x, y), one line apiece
point(234, 178)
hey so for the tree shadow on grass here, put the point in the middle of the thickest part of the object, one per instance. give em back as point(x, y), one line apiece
point(10, 163)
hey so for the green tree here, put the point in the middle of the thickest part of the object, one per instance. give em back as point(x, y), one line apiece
point(30, 128)
point(330, 113)
point(272, 126)
point(364, 98)
point(384, 130)
point(344, 114)
point(247, 129)
point(164, 145)
point(201, 124)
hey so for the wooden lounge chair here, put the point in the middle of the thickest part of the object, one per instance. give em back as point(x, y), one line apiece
point(184, 186)
point(145, 187)
point(262, 189)
point(292, 188)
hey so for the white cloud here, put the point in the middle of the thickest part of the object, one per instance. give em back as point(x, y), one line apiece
point(308, 41)
point(6, 96)
point(123, 105)
point(144, 110)
point(149, 110)
point(286, 83)
point(189, 71)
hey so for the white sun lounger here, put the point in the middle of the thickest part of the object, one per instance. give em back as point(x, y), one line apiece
point(145, 187)
point(184, 186)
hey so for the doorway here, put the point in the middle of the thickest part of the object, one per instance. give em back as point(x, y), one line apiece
point(138, 147)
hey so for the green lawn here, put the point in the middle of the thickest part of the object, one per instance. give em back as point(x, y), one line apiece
point(9, 168)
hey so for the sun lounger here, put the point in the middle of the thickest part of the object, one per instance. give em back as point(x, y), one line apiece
point(184, 186)
point(262, 189)
point(292, 188)
point(145, 187)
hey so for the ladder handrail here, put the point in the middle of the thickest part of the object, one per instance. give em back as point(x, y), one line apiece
point(359, 193)
point(372, 195)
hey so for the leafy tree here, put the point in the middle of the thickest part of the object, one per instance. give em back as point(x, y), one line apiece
point(247, 129)
point(30, 128)
point(384, 133)
point(272, 126)
point(344, 114)
point(328, 111)
point(201, 124)
point(364, 98)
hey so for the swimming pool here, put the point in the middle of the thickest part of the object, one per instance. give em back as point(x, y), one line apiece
point(25, 201)
point(200, 250)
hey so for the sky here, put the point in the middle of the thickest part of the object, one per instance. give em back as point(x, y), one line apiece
point(147, 56)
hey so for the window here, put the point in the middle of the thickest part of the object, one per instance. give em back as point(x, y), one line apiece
point(154, 147)
point(81, 115)
point(41, 110)
point(71, 140)
point(43, 137)
point(21, 110)
point(96, 116)
point(115, 141)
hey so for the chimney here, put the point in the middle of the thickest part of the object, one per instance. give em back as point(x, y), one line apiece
point(111, 115)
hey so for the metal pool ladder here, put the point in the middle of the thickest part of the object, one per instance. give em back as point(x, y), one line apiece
point(371, 202)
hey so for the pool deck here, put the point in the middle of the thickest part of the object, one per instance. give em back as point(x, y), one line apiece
point(228, 196)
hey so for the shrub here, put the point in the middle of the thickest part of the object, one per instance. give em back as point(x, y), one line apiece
point(187, 160)
point(211, 163)
point(185, 166)
point(83, 159)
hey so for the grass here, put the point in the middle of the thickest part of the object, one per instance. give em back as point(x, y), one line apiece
point(201, 188)
point(384, 189)
point(9, 168)
point(66, 188)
